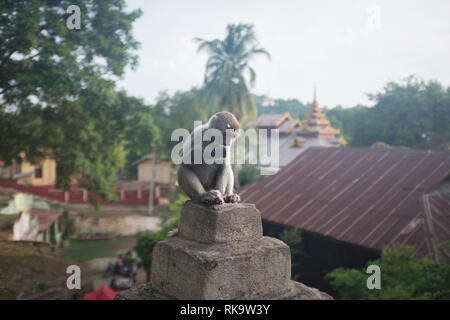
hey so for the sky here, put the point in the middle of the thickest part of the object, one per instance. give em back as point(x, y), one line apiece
point(346, 48)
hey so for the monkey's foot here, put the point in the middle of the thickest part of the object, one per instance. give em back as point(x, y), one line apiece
point(232, 198)
point(212, 197)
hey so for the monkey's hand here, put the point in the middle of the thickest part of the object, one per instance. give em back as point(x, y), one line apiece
point(212, 197)
point(232, 198)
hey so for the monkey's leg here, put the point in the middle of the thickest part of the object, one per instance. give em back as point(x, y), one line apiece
point(192, 186)
point(228, 180)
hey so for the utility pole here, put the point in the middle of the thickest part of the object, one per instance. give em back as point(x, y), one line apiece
point(151, 190)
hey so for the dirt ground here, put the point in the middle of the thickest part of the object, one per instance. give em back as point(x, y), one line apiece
point(32, 270)
point(98, 254)
point(35, 270)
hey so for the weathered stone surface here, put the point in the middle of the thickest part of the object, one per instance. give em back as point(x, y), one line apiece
point(220, 253)
point(220, 223)
point(238, 270)
point(297, 291)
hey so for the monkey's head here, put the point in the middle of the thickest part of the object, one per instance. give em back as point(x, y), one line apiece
point(225, 121)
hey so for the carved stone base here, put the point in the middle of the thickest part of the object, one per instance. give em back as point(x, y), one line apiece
point(239, 270)
point(296, 291)
point(220, 253)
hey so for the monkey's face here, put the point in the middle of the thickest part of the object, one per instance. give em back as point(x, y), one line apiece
point(227, 123)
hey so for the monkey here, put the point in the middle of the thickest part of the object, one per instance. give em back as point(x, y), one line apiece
point(210, 183)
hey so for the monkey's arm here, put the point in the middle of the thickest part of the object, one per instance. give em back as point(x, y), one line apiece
point(192, 186)
point(225, 184)
point(222, 180)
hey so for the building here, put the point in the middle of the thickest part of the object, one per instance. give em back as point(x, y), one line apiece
point(38, 225)
point(296, 136)
point(25, 173)
point(35, 221)
point(164, 177)
point(351, 203)
point(164, 171)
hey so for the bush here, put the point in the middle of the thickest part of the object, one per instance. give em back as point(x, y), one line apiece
point(147, 240)
point(249, 173)
point(403, 276)
point(293, 238)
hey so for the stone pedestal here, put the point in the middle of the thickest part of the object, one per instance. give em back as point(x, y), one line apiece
point(220, 253)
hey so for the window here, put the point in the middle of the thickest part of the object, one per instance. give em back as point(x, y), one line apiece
point(38, 172)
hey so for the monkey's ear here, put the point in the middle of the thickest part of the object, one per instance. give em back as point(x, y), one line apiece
point(213, 121)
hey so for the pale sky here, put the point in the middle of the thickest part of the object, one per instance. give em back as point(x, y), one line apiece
point(347, 48)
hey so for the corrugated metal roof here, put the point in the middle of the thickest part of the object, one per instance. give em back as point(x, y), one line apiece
point(23, 174)
point(364, 196)
point(45, 217)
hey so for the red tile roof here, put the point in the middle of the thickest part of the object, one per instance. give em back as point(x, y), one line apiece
point(45, 217)
point(364, 196)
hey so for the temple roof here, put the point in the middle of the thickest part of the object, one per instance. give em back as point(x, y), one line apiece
point(289, 125)
point(316, 121)
point(271, 120)
point(296, 136)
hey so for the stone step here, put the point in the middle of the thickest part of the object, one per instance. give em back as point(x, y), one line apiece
point(220, 223)
point(240, 270)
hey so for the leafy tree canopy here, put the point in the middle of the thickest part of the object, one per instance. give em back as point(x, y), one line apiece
point(147, 241)
point(404, 114)
point(57, 91)
point(229, 76)
point(403, 276)
point(179, 111)
point(295, 107)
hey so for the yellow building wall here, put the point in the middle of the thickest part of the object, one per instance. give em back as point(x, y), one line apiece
point(163, 171)
point(48, 173)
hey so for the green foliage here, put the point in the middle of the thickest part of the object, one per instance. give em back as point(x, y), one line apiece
point(178, 111)
point(293, 238)
point(145, 245)
point(403, 276)
point(147, 241)
point(405, 114)
point(295, 108)
point(228, 69)
point(249, 173)
point(80, 250)
point(58, 93)
point(67, 225)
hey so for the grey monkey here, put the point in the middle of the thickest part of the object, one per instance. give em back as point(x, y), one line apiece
point(210, 183)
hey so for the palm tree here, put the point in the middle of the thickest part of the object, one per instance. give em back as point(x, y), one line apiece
point(229, 60)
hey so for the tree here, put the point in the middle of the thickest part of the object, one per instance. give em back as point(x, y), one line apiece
point(249, 173)
point(293, 238)
point(178, 111)
point(147, 241)
point(403, 276)
point(405, 114)
point(226, 67)
point(295, 108)
point(57, 88)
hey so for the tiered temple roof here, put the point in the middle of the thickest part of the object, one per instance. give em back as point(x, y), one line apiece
point(296, 136)
point(316, 122)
